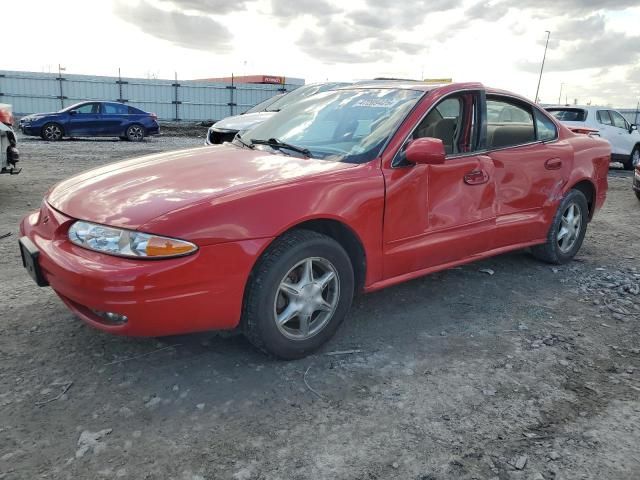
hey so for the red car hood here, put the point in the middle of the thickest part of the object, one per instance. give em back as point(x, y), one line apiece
point(129, 194)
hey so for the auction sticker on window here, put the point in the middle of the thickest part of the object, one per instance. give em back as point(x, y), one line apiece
point(375, 102)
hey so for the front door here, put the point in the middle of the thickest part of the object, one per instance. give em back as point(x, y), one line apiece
point(83, 120)
point(622, 136)
point(439, 214)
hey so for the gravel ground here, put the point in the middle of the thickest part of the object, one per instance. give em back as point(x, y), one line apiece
point(531, 372)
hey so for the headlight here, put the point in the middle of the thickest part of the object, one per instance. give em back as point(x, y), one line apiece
point(127, 243)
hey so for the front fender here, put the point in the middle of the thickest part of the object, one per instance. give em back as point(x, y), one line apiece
point(353, 196)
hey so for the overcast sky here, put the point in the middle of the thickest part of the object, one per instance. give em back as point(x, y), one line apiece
point(594, 48)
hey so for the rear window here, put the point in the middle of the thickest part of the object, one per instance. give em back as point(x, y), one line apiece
point(569, 114)
point(115, 109)
point(136, 111)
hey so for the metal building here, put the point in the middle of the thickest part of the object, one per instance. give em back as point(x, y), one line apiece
point(192, 100)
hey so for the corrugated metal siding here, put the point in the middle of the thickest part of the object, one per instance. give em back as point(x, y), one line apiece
point(32, 92)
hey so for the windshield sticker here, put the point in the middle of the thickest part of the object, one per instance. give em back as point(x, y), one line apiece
point(375, 103)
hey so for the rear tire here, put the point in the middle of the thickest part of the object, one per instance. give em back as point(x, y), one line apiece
point(298, 294)
point(135, 133)
point(52, 132)
point(567, 230)
point(634, 159)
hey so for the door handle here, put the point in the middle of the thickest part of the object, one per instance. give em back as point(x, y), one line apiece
point(476, 177)
point(553, 164)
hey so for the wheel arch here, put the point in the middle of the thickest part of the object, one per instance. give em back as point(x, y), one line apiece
point(589, 190)
point(341, 233)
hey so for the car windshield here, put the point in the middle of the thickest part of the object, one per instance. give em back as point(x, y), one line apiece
point(568, 114)
point(341, 125)
point(300, 93)
point(262, 106)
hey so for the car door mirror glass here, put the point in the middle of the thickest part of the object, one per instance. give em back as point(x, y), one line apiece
point(426, 151)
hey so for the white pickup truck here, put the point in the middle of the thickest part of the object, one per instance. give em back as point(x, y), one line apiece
point(8, 145)
point(610, 125)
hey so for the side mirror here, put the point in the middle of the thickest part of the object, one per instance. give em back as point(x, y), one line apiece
point(633, 127)
point(73, 112)
point(426, 151)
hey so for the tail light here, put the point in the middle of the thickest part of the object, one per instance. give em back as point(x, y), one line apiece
point(154, 116)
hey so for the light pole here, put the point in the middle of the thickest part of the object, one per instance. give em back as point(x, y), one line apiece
point(560, 96)
point(542, 67)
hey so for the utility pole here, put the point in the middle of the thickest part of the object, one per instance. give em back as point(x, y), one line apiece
point(542, 67)
point(60, 70)
point(560, 96)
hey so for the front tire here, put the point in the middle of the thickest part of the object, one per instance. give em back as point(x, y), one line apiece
point(298, 294)
point(567, 230)
point(135, 133)
point(52, 132)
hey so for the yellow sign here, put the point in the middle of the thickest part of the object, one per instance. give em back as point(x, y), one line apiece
point(438, 80)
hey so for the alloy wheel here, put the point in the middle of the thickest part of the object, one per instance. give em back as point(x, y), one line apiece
point(569, 229)
point(52, 132)
point(307, 298)
point(635, 158)
point(135, 133)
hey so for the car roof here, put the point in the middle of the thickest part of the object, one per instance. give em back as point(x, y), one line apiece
point(413, 85)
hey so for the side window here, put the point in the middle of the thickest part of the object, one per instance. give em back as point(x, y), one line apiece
point(544, 127)
point(89, 108)
point(618, 120)
point(115, 109)
point(454, 121)
point(603, 117)
point(509, 123)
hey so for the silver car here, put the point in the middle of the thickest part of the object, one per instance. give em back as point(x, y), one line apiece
point(225, 129)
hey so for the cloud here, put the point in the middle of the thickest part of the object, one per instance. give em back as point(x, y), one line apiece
point(587, 43)
point(549, 8)
point(289, 9)
point(343, 41)
point(372, 34)
point(211, 7)
point(188, 31)
point(489, 11)
point(387, 15)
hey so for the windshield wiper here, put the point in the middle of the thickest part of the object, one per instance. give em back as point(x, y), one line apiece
point(274, 142)
point(243, 143)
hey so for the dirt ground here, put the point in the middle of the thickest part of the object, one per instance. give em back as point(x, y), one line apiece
point(532, 372)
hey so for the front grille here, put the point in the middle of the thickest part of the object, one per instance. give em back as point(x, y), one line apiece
point(221, 137)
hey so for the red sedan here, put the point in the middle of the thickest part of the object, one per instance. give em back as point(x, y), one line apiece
point(349, 190)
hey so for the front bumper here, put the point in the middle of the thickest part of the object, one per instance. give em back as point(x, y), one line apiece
point(28, 129)
point(216, 136)
point(200, 292)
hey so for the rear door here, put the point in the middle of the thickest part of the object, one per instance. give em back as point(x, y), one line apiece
point(439, 214)
point(114, 118)
point(531, 168)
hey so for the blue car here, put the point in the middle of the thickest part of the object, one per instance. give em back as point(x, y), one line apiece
point(92, 119)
